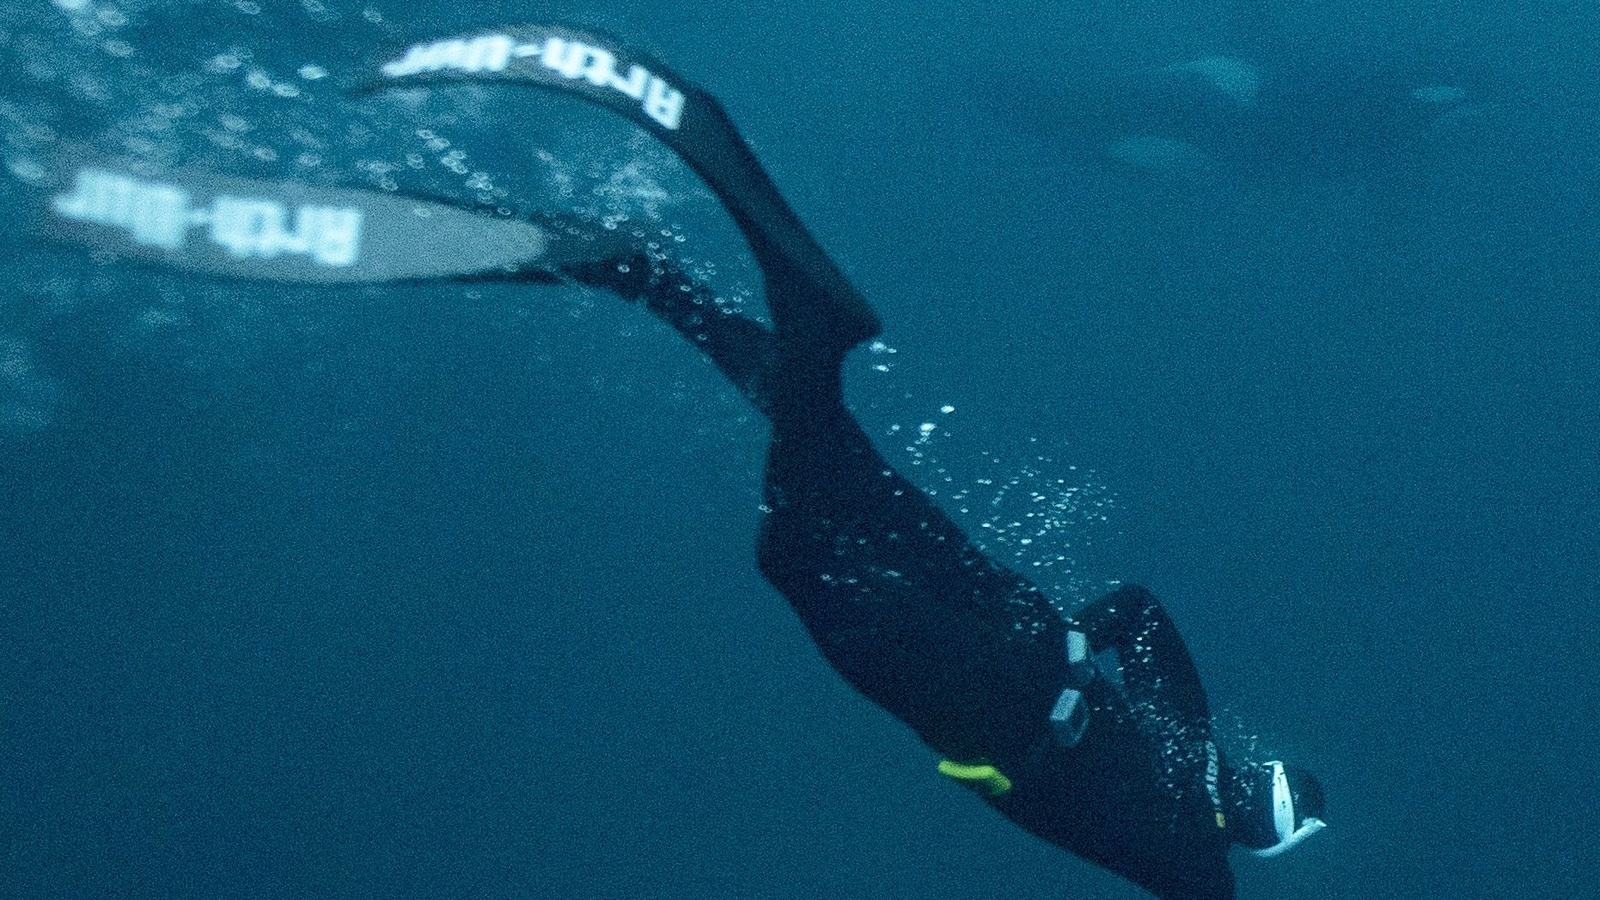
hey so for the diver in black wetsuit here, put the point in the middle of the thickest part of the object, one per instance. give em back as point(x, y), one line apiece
point(1118, 767)
point(1091, 732)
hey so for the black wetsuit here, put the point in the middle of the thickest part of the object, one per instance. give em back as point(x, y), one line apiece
point(966, 652)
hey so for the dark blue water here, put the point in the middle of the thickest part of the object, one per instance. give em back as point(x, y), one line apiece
point(449, 591)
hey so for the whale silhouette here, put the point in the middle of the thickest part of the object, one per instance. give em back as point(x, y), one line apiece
point(1228, 117)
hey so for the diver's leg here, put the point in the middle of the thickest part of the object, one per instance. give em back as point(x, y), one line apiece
point(899, 601)
point(967, 653)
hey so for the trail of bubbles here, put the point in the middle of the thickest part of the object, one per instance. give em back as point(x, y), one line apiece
point(1027, 510)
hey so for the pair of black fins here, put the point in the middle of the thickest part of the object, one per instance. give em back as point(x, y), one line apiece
point(288, 232)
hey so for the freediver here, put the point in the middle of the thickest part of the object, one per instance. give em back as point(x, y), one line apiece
point(1119, 766)
point(1091, 731)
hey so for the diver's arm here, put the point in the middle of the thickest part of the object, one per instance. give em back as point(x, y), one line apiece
point(1156, 666)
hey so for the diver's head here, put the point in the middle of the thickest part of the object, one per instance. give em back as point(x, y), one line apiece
point(1282, 807)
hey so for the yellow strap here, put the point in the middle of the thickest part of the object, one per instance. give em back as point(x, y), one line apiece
point(978, 776)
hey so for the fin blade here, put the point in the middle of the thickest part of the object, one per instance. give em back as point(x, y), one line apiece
point(209, 224)
point(603, 70)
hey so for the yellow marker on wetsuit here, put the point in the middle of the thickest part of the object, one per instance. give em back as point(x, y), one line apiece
point(980, 777)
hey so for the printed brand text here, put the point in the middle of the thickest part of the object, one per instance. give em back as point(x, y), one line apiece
point(160, 215)
point(571, 59)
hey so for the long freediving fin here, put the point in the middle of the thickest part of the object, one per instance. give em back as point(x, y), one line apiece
point(807, 292)
point(209, 224)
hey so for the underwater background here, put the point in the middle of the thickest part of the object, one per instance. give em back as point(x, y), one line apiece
point(448, 590)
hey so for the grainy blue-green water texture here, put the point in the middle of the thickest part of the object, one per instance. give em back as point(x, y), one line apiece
point(447, 590)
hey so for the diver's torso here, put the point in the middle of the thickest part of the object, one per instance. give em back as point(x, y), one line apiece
point(1107, 801)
